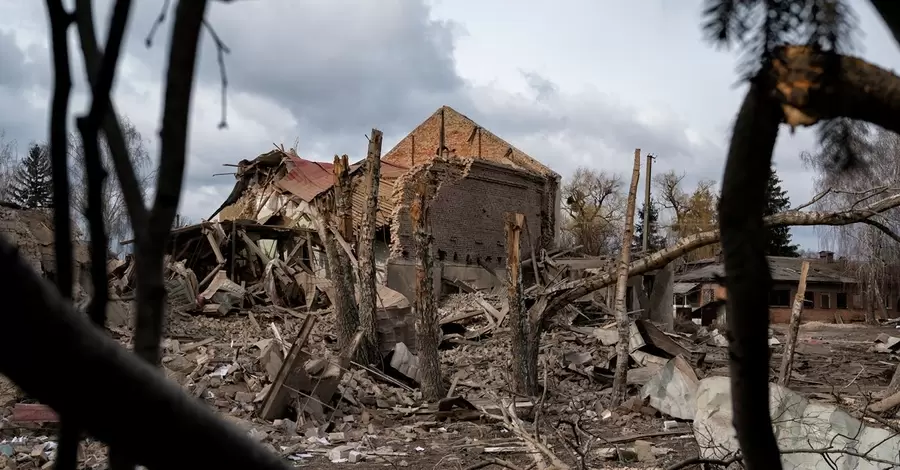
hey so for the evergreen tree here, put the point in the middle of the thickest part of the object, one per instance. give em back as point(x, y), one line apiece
point(656, 241)
point(778, 241)
point(32, 184)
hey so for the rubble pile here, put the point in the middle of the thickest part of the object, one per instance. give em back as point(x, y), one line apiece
point(251, 333)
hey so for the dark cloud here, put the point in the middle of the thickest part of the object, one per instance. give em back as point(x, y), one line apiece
point(326, 73)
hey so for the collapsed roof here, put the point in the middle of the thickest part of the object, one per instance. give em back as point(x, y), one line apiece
point(306, 180)
point(782, 269)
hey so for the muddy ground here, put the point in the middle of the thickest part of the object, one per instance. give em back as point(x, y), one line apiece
point(835, 363)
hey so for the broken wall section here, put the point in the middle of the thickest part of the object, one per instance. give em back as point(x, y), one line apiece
point(31, 231)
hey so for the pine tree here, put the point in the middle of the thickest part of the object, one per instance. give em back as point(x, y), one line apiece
point(656, 241)
point(778, 242)
point(32, 183)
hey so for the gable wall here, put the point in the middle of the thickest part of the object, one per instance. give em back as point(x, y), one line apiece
point(468, 217)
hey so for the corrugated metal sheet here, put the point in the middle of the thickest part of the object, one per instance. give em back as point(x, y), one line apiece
point(683, 287)
point(781, 268)
point(306, 179)
point(389, 174)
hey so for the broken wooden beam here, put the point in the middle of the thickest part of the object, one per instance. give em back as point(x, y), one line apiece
point(787, 360)
point(33, 413)
point(291, 375)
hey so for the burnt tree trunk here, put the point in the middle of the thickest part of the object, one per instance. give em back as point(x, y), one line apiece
point(787, 360)
point(428, 331)
point(368, 351)
point(346, 313)
point(524, 342)
point(623, 322)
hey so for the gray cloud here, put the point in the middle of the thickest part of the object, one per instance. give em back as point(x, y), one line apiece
point(326, 72)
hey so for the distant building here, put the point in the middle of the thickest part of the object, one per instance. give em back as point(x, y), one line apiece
point(281, 188)
point(832, 294)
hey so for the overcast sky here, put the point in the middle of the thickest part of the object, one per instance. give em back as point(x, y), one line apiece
point(570, 82)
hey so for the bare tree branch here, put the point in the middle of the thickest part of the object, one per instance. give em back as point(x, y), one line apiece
point(151, 292)
point(60, 20)
point(112, 129)
point(89, 126)
point(121, 400)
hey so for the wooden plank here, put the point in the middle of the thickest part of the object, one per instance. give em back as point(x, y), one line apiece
point(254, 247)
point(291, 375)
point(787, 360)
point(460, 316)
point(659, 340)
point(488, 308)
point(461, 285)
point(33, 413)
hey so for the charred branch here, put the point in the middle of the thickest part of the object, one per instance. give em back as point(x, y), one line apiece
point(112, 381)
point(812, 86)
point(151, 292)
point(60, 20)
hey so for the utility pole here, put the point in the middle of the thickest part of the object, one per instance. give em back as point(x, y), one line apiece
point(646, 232)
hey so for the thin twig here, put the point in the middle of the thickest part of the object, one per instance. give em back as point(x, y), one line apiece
point(813, 200)
point(60, 20)
point(221, 50)
point(160, 19)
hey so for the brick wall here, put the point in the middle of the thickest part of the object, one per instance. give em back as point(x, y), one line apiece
point(783, 315)
point(468, 217)
point(465, 138)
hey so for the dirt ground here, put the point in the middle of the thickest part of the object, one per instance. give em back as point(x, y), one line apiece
point(834, 363)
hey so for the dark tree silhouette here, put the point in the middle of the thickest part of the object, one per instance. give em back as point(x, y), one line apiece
point(32, 185)
point(656, 241)
point(778, 239)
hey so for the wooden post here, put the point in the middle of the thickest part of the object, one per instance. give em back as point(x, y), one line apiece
point(622, 320)
point(524, 348)
point(787, 360)
point(369, 353)
point(645, 242)
point(345, 307)
point(428, 331)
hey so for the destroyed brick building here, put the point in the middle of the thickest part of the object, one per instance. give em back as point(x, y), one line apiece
point(281, 188)
point(31, 231)
point(832, 294)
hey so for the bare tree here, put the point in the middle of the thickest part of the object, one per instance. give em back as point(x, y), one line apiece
point(873, 249)
point(115, 210)
point(8, 158)
point(690, 213)
point(594, 207)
